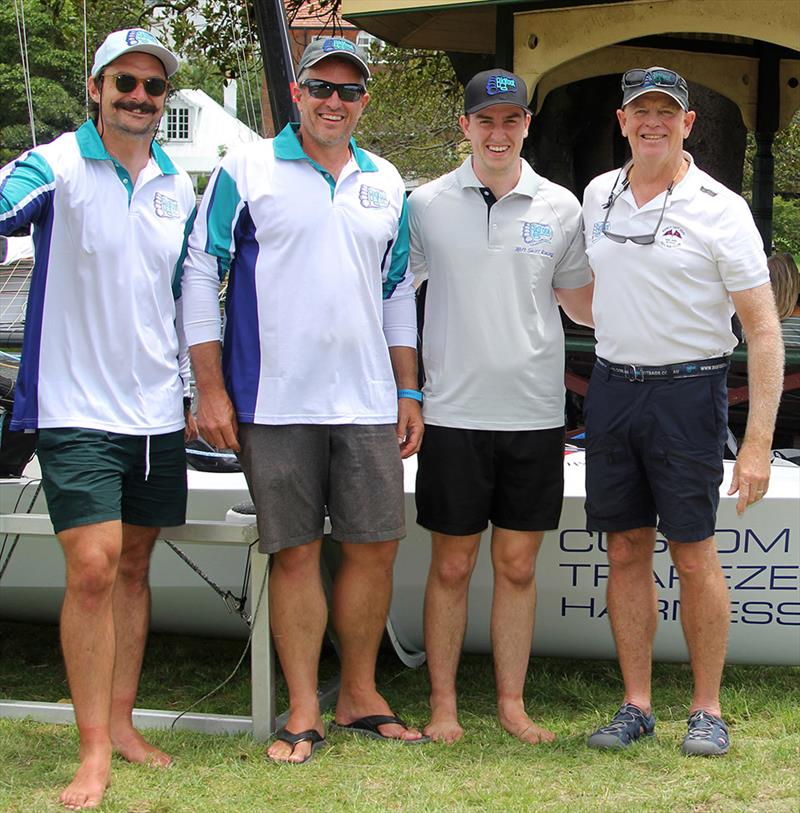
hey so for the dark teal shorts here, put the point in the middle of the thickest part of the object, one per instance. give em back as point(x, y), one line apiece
point(94, 476)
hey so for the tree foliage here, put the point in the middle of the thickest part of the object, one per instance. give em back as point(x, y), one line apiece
point(54, 32)
point(412, 117)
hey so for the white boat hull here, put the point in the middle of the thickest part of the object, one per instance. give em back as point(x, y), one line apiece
point(760, 553)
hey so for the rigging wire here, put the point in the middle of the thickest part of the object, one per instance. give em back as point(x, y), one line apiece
point(253, 97)
point(243, 71)
point(19, 13)
point(85, 61)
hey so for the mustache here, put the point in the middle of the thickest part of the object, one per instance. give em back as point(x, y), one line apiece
point(135, 107)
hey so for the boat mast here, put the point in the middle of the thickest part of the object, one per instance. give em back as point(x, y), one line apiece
point(273, 35)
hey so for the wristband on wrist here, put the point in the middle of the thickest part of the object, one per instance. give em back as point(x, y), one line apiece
point(415, 395)
point(187, 403)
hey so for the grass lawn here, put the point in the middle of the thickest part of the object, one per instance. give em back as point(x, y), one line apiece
point(487, 771)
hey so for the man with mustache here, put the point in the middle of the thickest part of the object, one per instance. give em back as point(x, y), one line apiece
point(100, 378)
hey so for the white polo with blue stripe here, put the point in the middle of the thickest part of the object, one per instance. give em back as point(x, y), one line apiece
point(101, 347)
point(318, 283)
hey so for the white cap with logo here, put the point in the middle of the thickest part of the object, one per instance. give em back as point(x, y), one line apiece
point(133, 40)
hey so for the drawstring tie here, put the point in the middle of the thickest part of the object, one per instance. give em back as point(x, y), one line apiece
point(147, 458)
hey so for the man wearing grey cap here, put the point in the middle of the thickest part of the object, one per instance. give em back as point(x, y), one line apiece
point(500, 247)
point(674, 253)
point(100, 378)
point(316, 382)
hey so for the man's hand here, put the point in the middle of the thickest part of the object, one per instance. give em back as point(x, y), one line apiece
point(190, 432)
point(750, 475)
point(409, 426)
point(216, 420)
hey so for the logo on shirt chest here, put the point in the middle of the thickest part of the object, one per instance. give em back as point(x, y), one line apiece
point(372, 198)
point(597, 231)
point(535, 233)
point(165, 206)
point(671, 236)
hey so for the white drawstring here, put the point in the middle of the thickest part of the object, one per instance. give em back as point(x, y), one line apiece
point(147, 458)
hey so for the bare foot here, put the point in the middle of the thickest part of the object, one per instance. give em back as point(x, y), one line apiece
point(444, 728)
point(133, 747)
point(514, 720)
point(349, 709)
point(90, 781)
point(280, 751)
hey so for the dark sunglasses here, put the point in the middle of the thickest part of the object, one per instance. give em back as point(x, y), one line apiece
point(662, 78)
point(638, 239)
point(324, 90)
point(153, 86)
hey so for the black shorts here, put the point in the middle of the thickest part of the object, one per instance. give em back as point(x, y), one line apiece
point(654, 454)
point(467, 478)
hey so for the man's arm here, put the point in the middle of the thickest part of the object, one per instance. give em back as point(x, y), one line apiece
point(409, 411)
point(577, 303)
point(756, 310)
point(26, 191)
point(216, 418)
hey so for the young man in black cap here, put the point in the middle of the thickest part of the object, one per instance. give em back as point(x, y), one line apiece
point(501, 248)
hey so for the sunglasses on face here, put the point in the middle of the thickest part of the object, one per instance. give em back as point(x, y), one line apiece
point(153, 86)
point(318, 89)
point(662, 78)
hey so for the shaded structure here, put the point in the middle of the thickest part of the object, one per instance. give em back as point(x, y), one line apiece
point(743, 60)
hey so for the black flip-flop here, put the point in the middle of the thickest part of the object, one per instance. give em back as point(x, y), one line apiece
point(368, 727)
point(310, 735)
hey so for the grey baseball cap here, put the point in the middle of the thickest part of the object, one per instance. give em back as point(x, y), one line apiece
point(133, 40)
point(495, 86)
point(320, 49)
point(657, 79)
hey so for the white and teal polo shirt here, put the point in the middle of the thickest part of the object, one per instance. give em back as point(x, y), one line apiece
point(318, 283)
point(101, 348)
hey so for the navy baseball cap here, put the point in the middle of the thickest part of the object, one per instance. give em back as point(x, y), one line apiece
point(495, 86)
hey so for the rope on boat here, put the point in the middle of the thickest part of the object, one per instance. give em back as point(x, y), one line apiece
point(4, 562)
point(234, 603)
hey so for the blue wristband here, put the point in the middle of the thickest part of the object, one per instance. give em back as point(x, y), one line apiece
point(415, 395)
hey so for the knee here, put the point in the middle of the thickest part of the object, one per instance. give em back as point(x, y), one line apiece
point(91, 578)
point(300, 563)
point(518, 570)
point(453, 572)
point(693, 560)
point(134, 568)
point(630, 549)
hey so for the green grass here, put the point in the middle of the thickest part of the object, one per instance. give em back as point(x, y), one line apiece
point(487, 771)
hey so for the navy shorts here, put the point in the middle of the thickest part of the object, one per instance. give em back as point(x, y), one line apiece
point(91, 476)
point(654, 454)
point(469, 477)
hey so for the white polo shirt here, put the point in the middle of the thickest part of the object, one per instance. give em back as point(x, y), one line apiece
point(493, 344)
point(670, 302)
point(101, 348)
point(318, 283)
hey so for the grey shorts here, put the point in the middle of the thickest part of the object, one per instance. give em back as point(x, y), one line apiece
point(297, 471)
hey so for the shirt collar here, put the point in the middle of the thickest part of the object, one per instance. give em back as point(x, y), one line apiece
point(91, 146)
point(528, 182)
point(287, 147)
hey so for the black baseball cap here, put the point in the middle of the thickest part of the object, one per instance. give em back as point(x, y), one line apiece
point(320, 49)
point(495, 86)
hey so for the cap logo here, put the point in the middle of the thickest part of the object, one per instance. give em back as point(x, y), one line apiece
point(500, 84)
point(138, 37)
point(337, 44)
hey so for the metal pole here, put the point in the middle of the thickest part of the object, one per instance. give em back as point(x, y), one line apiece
point(763, 160)
point(278, 65)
